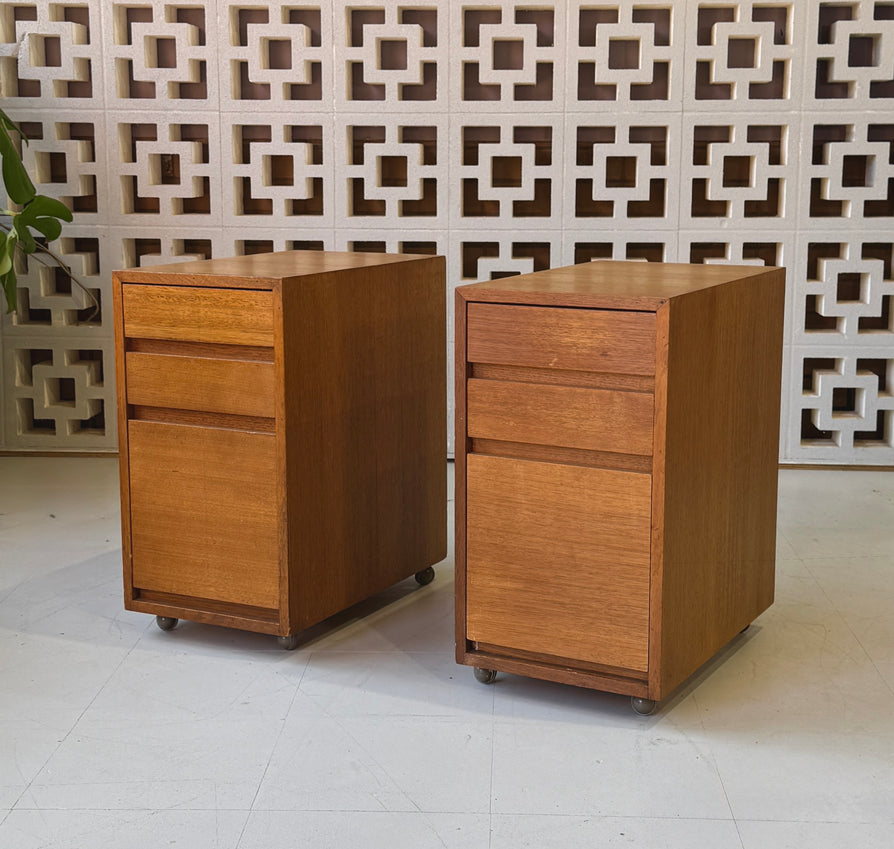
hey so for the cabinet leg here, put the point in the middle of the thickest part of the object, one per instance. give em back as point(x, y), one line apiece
point(642, 706)
point(289, 643)
point(426, 576)
point(485, 676)
point(166, 623)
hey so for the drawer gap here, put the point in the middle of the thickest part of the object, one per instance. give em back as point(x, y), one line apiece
point(253, 424)
point(187, 602)
point(209, 350)
point(554, 660)
point(565, 456)
point(563, 377)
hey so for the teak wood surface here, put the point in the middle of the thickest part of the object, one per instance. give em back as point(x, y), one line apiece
point(240, 388)
point(282, 422)
point(198, 315)
point(203, 512)
point(710, 358)
point(572, 340)
point(558, 560)
point(716, 540)
point(565, 416)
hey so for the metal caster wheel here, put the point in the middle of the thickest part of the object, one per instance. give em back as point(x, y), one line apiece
point(426, 576)
point(642, 706)
point(289, 643)
point(745, 628)
point(166, 623)
point(485, 676)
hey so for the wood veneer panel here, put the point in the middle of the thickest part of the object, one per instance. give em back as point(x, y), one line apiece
point(558, 560)
point(581, 340)
point(258, 271)
point(566, 416)
point(408, 310)
point(203, 513)
point(721, 450)
point(200, 383)
point(365, 435)
point(607, 284)
point(229, 316)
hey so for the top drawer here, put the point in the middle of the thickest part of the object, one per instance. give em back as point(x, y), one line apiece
point(192, 314)
point(611, 341)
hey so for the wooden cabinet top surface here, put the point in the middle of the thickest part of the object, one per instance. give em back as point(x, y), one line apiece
point(259, 271)
point(608, 284)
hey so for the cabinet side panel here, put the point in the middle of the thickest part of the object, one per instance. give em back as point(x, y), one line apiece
point(408, 317)
point(364, 362)
point(721, 449)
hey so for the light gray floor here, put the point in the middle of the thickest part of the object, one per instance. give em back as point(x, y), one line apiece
point(115, 734)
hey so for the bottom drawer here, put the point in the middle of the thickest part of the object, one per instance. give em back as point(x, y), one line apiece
point(203, 513)
point(557, 560)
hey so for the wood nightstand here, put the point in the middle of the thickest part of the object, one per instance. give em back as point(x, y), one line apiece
point(282, 434)
point(617, 431)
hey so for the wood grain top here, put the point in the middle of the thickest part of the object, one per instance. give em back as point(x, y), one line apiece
point(258, 271)
point(608, 284)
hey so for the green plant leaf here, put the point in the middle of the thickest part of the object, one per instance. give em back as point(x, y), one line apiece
point(44, 215)
point(26, 240)
point(8, 276)
point(5, 258)
point(12, 126)
point(15, 178)
point(41, 205)
point(50, 227)
point(9, 289)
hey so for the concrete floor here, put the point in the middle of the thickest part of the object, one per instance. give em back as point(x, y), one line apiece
point(115, 734)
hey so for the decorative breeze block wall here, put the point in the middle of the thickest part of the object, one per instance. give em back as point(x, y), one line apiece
point(509, 136)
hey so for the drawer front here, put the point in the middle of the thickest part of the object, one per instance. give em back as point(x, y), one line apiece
point(200, 383)
point(558, 560)
point(567, 416)
point(611, 341)
point(204, 513)
point(228, 316)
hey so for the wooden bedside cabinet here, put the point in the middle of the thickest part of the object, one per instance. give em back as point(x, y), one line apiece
point(617, 429)
point(282, 434)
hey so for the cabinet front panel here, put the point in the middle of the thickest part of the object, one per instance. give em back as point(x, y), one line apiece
point(557, 560)
point(567, 416)
point(203, 513)
point(200, 383)
point(612, 341)
point(188, 314)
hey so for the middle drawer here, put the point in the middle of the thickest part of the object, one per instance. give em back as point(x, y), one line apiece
point(203, 384)
point(567, 416)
